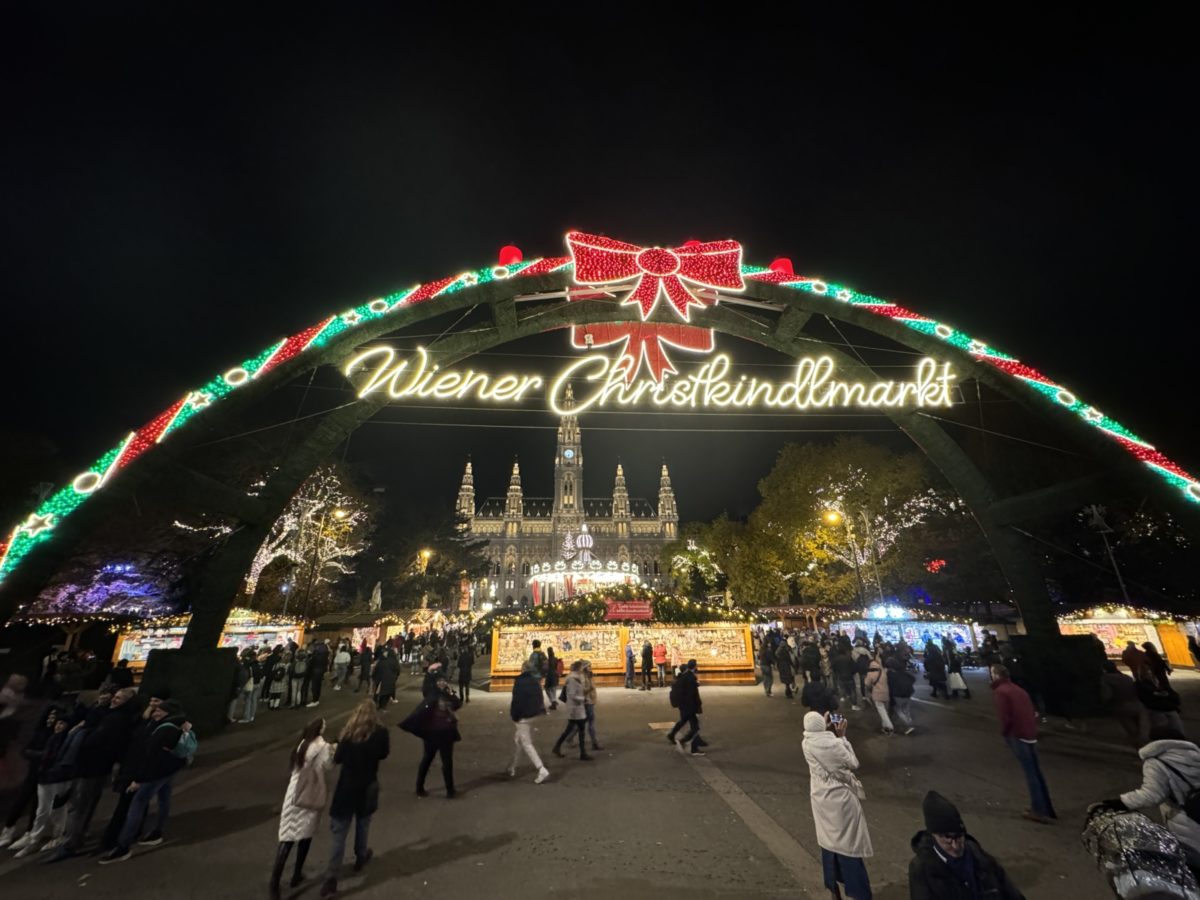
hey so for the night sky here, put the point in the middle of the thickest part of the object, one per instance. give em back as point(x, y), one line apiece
point(182, 189)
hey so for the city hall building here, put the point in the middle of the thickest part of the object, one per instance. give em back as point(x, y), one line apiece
point(546, 548)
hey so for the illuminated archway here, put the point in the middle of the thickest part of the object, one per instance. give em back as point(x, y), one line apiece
point(530, 297)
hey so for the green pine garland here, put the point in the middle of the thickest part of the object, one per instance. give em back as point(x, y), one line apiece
point(590, 609)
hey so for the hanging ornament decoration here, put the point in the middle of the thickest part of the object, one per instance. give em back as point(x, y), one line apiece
point(600, 261)
point(643, 344)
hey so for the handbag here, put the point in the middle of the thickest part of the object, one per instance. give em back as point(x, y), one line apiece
point(956, 682)
point(311, 790)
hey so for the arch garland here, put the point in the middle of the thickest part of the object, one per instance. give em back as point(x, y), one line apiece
point(653, 266)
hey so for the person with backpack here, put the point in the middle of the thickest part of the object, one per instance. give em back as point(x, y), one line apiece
point(538, 659)
point(552, 673)
point(1170, 780)
point(298, 678)
point(279, 680)
point(305, 797)
point(901, 683)
point(629, 664)
point(435, 723)
point(166, 749)
point(862, 662)
point(576, 696)
point(526, 705)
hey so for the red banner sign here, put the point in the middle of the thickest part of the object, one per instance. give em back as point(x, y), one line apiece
point(629, 609)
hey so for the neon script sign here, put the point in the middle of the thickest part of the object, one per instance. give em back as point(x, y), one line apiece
point(598, 381)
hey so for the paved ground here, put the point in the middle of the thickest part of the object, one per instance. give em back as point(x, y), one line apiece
point(639, 822)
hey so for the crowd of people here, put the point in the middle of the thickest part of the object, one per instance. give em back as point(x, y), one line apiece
point(136, 745)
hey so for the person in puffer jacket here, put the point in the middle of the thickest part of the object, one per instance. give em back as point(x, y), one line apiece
point(1170, 771)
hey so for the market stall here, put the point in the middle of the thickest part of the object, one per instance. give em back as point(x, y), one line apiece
point(243, 628)
point(916, 627)
point(374, 627)
point(1116, 626)
point(596, 627)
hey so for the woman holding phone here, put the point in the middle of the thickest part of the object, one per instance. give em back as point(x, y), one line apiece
point(837, 796)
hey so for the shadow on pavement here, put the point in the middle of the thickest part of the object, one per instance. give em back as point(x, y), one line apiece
point(410, 859)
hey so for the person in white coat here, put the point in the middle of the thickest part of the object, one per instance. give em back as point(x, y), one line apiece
point(307, 794)
point(837, 795)
point(1170, 771)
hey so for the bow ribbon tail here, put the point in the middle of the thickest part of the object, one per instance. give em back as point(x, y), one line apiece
point(646, 292)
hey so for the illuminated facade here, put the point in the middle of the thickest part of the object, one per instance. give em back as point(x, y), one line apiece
point(527, 534)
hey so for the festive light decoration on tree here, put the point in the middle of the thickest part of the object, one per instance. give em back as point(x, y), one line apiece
point(603, 262)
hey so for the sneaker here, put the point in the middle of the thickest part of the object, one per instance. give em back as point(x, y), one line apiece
point(153, 839)
point(8, 835)
point(542, 776)
point(22, 842)
point(698, 753)
point(421, 792)
point(63, 852)
point(512, 772)
point(314, 703)
point(360, 862)
point(909, 731)
point(679, 745)
point(54, 844)
point(670, 738)
point(27, 850)
point(117, 854)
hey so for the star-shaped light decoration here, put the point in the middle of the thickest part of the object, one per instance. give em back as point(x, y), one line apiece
point(1092, 414)
point(199, 399)
point(351, 318)
point(470, 279)
point(976, 347)
point(35, 524)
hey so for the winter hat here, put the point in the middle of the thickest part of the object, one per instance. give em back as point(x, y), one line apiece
point(941, 816)
point(171, 707)
point(813, 722)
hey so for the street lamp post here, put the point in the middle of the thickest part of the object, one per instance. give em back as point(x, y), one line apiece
point(312, 566)
point(833, 517)
point(874, 553)
point(423, 556)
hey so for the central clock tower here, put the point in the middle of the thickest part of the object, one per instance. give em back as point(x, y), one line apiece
point(568, 471)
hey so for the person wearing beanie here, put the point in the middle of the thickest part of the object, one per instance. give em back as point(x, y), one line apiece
point(949, 864)
point(837, 795)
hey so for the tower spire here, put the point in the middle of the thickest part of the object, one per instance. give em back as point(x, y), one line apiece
point(668, 513)
point(514, 500)
point(465, 507)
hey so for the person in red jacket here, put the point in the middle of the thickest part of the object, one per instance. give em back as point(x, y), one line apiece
point(1018, 725)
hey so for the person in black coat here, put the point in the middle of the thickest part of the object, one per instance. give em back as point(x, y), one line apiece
point(387, 670)
point(435, 723)
point(362, 746)
point(647, 665)
point(527, 704)
point(949, 864)
point(106, 735)
point(551, 682)
point(935, 669)
point(466, 661)
point(685, 696)
point(783, 663)
point(120, 676)
point(151, 776)
point(819, 697)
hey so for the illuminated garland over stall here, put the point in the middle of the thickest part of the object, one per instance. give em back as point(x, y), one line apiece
point(607, 261)
point(591, 609)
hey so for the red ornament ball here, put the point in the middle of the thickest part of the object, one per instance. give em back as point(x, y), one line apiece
point(510, 255)
point(783, 265)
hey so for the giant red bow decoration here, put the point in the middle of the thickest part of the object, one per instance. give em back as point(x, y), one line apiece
point(644, 344)
point(715, 264)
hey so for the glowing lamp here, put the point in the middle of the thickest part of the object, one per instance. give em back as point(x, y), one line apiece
point(782, 265)
point(510, 255)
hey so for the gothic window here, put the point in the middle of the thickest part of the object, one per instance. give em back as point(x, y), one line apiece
point(496, 567)
point(512, 568)
point(656, 571)
point(525, 569)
